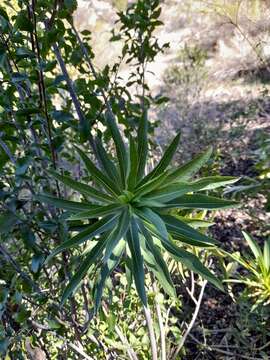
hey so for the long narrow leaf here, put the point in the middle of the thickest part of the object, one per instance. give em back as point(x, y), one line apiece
point(199, 201)
point(164, 162)
point(117, 234)
point(185, 233)
point(82, 271)
point(149, 216)
point(142, 142)
point(186, 171)
point(253, 245)
point(82, 188)
point(120, 147)
point(107, 164)
point(190, 261)
point(154, 260)
point(106, 270)
point(133, 156)
point(266, 254)
point(169, 192)
point(137, 260)
point(150, 185)
point(92, 230)
point(72, 206)
point(97, 174)
point(97, 211)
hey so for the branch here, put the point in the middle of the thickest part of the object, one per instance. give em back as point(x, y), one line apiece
point(192, 322)
point(9, 259)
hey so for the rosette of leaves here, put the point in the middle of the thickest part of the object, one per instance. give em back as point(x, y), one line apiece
point(133, 212)
point(257, 280)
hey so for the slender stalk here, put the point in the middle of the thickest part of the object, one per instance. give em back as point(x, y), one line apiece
point(192, 322)
point(160, 323)
point(149, 323)
point(9, 259)
point(42, 88)
point(131, 353)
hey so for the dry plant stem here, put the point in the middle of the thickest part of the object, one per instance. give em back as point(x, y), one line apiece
point(149, 323)
point(216, 349)
point(192, 322)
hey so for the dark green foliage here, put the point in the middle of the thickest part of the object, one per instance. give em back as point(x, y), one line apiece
point(132, 214)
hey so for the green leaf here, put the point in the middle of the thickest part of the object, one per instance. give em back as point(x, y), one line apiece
point(213, 182)
point(196, 223)
point(98, 211)
point(168, 193)
point(150, 185)
point(65, 204)
point(107, 164)
point(152, 218)
point(23, 52)
point(185, 233)
point(164, 162)
point(154, 260)
point(266, 254)
point(120, 147)
point(23, 23)
point(92, 230)
point(106, 270)
point(7, 221)
point(91, 258)
point(97, 174)
point(142, 142)
point(172, 191)
point(117, 234)
point(198, 201)
point(133, 156)
point(137, 260)
point(253, 245)
point(82, 188)
point(186, 171)
point(27, 111)
point(190, 261)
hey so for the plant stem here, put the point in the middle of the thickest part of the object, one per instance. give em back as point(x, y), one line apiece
point(160, 323)
point(149, 323)
point(192, 322)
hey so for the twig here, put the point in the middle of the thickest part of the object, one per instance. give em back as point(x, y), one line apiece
point(71, 345)
point(192, 322)
point(42, 87)
point(215, 349)
point(16, 266)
